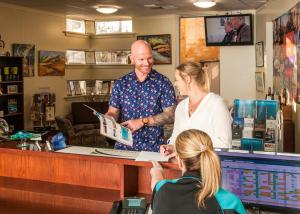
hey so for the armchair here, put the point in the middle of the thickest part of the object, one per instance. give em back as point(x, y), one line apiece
point(81, 127)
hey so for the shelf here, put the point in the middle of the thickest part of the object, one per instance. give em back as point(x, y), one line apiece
point(100, 36)
point(109, 66)
point(12, 94)
point(8, 82)
point(86, 96)
point(13, 114)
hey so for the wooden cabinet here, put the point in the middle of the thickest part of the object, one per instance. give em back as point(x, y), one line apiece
point(12, 92)
point(288, 130)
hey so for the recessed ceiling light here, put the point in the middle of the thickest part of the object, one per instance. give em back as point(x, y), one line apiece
point(107, 10)
point(205, 3)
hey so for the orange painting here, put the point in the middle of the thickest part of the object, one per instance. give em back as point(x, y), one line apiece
point(192, 42)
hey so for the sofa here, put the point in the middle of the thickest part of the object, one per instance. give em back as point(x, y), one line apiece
point(81, 127)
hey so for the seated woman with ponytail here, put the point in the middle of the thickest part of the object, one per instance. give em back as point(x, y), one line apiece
point(198, 190)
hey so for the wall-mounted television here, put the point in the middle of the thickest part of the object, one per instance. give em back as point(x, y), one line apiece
point(229, 30)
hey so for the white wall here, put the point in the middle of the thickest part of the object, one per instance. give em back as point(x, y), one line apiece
point(237, 73)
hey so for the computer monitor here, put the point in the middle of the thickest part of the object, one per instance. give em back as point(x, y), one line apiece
point(266, 182)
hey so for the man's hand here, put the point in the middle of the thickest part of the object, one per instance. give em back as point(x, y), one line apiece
point(133, 125)
point(167, 150)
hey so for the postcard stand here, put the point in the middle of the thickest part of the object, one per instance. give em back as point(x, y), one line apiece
point(257, 125)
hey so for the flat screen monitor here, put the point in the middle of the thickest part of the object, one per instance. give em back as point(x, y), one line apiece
point(267, 182)
point(229, 30)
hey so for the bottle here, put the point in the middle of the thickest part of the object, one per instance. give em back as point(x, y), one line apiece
point(15, 73)
point(6, 73)
point(284, 97)
point(269, 94)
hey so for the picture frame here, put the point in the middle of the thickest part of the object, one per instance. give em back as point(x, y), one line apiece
point(161, 47)
point(51, 63)
point(27, 51)
point(12, 89)
point(260, 81)
point(77, 88)
point(259, 54)
point(89, 27)
point(90, 57)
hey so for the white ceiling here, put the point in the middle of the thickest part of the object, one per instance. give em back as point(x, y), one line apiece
point(133, 8)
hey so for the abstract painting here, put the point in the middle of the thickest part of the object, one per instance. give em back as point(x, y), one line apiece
point(192, 42)
point(27, 51)
point(51, 63)
point(285, 63)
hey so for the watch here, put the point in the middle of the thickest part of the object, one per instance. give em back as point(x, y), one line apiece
point(145, 121)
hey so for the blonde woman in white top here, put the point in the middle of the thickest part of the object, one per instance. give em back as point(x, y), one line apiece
point(201, 109)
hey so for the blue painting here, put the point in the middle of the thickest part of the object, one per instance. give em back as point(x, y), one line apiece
point(27, 51)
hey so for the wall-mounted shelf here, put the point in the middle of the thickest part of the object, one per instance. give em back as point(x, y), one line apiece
point(108, 66)
point(100, 36)
point(95, 97)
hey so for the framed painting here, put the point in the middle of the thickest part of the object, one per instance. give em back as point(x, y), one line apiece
point(161, 47)
point(192, 44)
point(27, 51)
point(260, 81)
point(259, 54)
point(52, 63)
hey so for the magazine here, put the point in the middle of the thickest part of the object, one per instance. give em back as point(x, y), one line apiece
point(111, 129)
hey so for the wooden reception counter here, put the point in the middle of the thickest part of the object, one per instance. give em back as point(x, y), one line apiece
point(31, 181)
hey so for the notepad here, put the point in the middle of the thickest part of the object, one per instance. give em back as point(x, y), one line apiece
point(152, 156)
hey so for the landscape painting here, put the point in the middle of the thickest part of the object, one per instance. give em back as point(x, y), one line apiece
point(51, 63)
point(26, 51)
point(161, 47)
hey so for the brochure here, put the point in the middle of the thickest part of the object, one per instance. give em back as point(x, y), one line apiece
point(111, 129)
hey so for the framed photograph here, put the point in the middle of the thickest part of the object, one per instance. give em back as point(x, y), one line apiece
point(259, 54)
point(12, 89)
point(90, 57)
point(89, 27)
point(77, 88)
point(260, 81)
point(161, 47)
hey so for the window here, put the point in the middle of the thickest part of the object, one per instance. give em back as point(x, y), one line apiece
point(75, 57)
point(114, 27)
point(76, 26)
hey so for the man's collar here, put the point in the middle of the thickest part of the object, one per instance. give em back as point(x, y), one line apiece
point(149, 76)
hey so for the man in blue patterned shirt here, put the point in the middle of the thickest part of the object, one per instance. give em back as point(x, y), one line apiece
point(144, 100)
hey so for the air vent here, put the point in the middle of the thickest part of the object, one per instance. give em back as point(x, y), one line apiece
point(162, 7)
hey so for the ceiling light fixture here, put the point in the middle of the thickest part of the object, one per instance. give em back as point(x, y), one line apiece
point(107, 10)
point(205, 3)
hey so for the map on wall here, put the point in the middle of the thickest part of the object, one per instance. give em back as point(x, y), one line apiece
point(286, 41)
point(192, 42)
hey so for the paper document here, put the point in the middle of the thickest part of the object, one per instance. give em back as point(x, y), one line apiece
point(151, 156)
point(114, 153)
point(111, 129)
point(103, 152)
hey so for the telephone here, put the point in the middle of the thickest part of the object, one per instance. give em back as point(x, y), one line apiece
point(130, 205)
